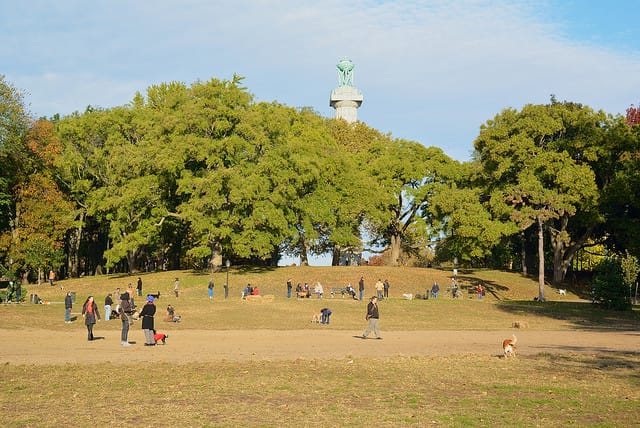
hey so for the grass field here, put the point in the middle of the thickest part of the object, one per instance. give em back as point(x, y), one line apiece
point(548, 389)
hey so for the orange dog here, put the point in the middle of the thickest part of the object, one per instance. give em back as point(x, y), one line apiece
point(509, 346)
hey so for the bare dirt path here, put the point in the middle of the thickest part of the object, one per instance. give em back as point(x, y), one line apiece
point(39, 346)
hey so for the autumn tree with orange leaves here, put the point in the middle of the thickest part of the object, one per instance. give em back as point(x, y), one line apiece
point(41, 213)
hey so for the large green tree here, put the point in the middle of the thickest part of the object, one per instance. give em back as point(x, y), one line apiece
point(408, 175)
point(534, 161)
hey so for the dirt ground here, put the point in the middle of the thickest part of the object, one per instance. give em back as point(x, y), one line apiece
point(39, 346)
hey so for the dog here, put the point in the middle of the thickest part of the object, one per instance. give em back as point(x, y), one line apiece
point(562, 292)
point(155, 296)
point(160, 337)
point(408, 296)
point(316, 317)
point(520, 324)
point(509, 346)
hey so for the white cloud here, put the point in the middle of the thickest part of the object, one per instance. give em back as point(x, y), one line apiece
point(430, 71)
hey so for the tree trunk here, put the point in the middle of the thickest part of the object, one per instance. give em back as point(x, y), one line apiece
point(395, 249)
point(540, 261)
point(131, 260)
point(74, 248)
point(216, 257)
point(335, 256)
point(563, 251)
point(523, 252)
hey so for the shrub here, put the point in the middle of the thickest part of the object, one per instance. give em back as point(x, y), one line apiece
point(609, 288)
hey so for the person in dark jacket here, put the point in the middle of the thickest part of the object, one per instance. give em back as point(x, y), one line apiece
point(126, 312)
point(108, 301)
point(147, 314)
point(91, 315)
point(68, 304)
point(372, 317)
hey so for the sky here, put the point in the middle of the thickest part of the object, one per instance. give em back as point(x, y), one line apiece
point(431, 71)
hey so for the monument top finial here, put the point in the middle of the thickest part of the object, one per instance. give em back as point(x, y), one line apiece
point(345, 72)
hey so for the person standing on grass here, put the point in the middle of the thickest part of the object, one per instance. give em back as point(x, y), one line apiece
point(435, 289)
point(361, 287)
point(289, 287)
point(147, 314)
point(108, 301)
point(126, 311)
point(210, 288)
point(91, 315)
point(379, 288)
point(386, 288)
point(68, 304)
point(52, 277)
point(176, 287)
point(372, 317)
point(226, 291)
point(480, 291)
point(139, 286)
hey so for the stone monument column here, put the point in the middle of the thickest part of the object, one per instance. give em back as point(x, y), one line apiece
point(346, 99)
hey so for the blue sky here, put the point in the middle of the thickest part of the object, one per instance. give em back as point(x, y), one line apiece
point(430, 71)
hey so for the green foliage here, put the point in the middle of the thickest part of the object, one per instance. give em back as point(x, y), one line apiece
point(609, 288)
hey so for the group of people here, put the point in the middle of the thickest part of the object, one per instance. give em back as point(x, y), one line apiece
point(305, 291)
point(382, 289)
point(125, 309)
point(250, 290)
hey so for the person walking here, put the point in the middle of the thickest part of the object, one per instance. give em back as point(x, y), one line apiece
point(91, 315)
point(386, 288)
point(361, 287)
point(176, 287)
point(18, 289)
point(139, 286)
point(289, 287)
point(52, 277)
point(126, 311)
point(147, 314)
point(226, 291)
point(68, 304)
point(210, 288)
point(372, 316)
point(480, 291)
point(108, 301)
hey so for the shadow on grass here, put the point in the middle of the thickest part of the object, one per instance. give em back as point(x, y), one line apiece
point(582, 315)
point(600, 359)
point(490, 287)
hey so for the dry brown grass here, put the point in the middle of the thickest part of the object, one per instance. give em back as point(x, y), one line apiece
point(467, 390)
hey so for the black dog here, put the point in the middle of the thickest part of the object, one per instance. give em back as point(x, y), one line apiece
point(155, 296)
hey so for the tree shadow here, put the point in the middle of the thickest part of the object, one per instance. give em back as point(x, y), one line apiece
point(490, 287)
point(582, 315)
point(594, 358)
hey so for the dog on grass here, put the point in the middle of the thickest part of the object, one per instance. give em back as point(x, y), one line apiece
point(509, 346)
point(562, 292)
point(316, 317)
point(408, 296)
point(160, 337)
